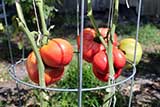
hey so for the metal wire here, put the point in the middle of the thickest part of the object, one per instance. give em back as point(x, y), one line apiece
point(80, 89)
point(10, 48)
point(110, 14)
point(77, 17)
point(127, 4)
point(38, 25)
point(65, 89)
point(37, 20)
point(81, 56)
point(135, 52)
point(8, 37)
point(131, 90)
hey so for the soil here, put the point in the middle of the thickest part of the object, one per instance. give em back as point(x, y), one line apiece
point(146, 89)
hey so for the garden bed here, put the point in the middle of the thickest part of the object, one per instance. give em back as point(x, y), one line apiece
point(147, 79)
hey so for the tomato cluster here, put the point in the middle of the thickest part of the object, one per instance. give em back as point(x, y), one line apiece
point(94, 52)
point(55, 55)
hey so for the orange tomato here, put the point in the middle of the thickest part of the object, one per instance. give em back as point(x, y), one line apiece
point(51, 74)
point(92, 44)
point(57, 53)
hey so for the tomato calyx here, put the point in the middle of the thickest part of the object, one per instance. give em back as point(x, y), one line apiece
point(97, 40)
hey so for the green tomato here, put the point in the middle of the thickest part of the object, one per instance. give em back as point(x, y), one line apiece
point(127, 45)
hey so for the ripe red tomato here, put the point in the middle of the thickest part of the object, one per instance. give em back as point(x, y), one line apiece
point(104, 32)
point(119, 58)
point(91, 43)
point(101, 67)
point(51, 74)
point(100, 63)
point(104, 77)
point(90, 46)
point(57, 53)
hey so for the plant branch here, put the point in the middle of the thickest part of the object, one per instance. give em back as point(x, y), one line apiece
point(39, 4)
point(113, 27)
point(110, 48)
point(22, 25)
point(20, 13)
point(91, 17)
point(30, 36)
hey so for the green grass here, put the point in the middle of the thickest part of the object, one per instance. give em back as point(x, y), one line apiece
point(4, 76)
point(70, 80)
point(149, 34)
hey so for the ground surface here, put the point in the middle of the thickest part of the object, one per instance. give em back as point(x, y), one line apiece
point(146, 90)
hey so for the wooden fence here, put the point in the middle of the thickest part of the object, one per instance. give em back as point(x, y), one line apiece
point(149, 7)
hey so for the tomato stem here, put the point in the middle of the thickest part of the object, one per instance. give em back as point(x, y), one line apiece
point(113, 27)
point(91, 17)
point(109, 46)
point(39, 4)
point(23, 26)
point(110, 53)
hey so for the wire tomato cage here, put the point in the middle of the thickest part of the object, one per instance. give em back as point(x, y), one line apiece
point(80, 26)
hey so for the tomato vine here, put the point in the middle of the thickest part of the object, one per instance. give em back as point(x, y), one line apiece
point(109, 45)
point(23, 26)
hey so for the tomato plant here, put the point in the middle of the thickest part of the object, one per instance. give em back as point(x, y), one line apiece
point(51, 74)
point(57, 53)
point(118, 58)
point(101, 67)
point(104, 77)
point(104, 32)
point(91, 42)
point(100, 63)
point(90, 46)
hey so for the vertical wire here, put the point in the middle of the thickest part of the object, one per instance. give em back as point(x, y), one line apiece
point(131, 90)
point(8, 37)
point(109, 25)
point(23, 50)
point(38, 25)
point(113, 1)
point(109, 14)
point(81, 56)
point(127, 3)
point(77, 17)
point(135, 51)
point(78, 31)
point(10, 50)
point(37, 21)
